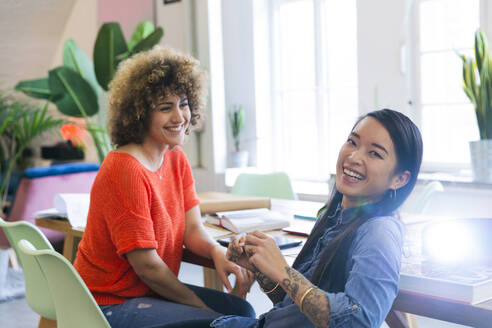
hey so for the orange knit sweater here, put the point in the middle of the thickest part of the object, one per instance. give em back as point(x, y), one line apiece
point(130, 208)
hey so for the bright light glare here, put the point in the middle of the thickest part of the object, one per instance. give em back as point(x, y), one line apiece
point(449, 242)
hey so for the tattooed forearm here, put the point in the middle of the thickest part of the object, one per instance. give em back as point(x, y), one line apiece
point(265, 282)
point(316, 307)
point(296, 276)
point(290, 287)
point(293, 281)
point(315, 304)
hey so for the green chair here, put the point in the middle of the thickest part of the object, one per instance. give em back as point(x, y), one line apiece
point(38, 294)
point(275, 185)
point(74, 304)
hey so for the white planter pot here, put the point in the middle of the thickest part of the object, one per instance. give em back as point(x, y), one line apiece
point(239, 158)
point(4, 265)
point(481, 160)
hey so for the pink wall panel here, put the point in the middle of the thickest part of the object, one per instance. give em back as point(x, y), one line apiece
point(126, 12)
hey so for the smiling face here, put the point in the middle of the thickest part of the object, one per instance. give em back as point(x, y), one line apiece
point(366, 165)
point(169, 121)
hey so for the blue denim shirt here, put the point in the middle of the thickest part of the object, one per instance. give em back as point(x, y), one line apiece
point(372, 271)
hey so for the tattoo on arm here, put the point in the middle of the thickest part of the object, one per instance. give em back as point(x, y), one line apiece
point(291, 284)
point(267, 284)
point(316, 307)
point(315, 304)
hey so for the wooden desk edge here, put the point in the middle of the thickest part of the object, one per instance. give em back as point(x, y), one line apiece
point(59, 225)
point(478, 315)
point(65, 227)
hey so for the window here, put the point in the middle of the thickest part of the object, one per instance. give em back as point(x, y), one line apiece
point(313, 95)
point(441, 29)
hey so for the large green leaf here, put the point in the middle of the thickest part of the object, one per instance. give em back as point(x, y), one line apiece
point(73, 94)
point(486, 82)
point(469, 79)
point(149, 41)
point(481, 48)
point(38, 88)
point(143, 30)
point(484, 101)
point(110, 44)
point(76, 59)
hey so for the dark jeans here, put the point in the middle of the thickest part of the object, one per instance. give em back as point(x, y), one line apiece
point(157, 312)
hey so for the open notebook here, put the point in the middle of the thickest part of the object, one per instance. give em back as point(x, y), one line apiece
point(248, 220)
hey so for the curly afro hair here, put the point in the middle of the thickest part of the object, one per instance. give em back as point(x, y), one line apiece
point(144, 78)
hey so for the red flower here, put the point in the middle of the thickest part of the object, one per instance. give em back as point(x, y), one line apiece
point(72, 132)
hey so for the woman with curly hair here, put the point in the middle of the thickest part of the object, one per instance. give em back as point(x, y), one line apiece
point(143, 206)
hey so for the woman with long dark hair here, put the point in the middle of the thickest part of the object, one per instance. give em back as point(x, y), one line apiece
point(348, 271)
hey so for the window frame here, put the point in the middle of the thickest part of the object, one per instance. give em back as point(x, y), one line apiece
point(414, 86)
point(321, 90)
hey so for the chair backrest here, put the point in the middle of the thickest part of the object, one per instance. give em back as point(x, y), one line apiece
point(36, 192)
point(37, 291)
point(275, 185)
point(423, 198)
point(74, 304)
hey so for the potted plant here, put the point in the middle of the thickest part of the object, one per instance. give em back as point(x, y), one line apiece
point(76, 86)
point(21, 122)
point(477, 80)
point(239, 158)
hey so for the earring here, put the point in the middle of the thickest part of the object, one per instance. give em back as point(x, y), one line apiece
point(392, 193)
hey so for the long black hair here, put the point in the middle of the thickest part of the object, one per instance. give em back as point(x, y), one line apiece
point(407, 143)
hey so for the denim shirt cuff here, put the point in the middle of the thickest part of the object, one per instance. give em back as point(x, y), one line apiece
point(341, 308)
point(234, 321)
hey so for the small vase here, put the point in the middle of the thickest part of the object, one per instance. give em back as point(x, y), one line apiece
point(481, 160)
point(239, 158)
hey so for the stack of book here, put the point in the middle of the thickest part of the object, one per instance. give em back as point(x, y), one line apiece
point(239, 221)
point(465, 284)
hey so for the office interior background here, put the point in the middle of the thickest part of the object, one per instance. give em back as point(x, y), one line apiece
point(303, 70)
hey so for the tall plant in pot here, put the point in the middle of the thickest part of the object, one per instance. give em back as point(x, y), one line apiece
point(76, 86)
point(477, 80)
point(239, 158)
point(20, 123)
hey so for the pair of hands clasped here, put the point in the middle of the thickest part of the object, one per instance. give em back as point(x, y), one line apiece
point(257, 251)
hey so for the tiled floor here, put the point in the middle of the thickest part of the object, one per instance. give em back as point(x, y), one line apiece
point(17, 314)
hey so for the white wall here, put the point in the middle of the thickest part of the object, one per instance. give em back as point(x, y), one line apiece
point(239, 69)
point(382, 83)
point(195, 27)
point(380, 36)
point(221, 34)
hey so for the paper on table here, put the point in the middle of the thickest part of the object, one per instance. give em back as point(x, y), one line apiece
point(212, 202)
point(214, 233)
point(49, 213)
point(76, 207)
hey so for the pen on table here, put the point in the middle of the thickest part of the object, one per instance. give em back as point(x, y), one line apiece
point(306, 217)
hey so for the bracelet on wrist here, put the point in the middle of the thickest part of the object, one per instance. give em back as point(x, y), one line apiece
point(304, 296)
point(268, 291)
